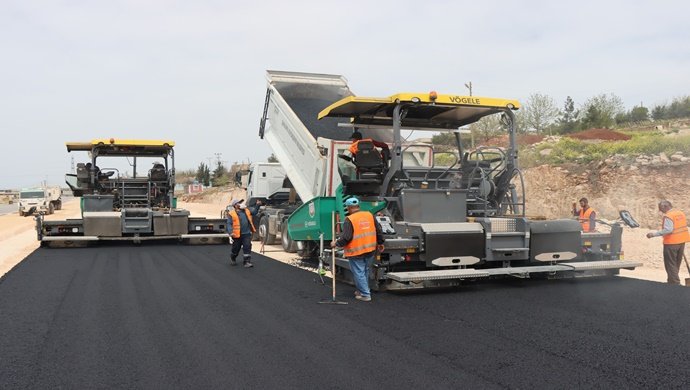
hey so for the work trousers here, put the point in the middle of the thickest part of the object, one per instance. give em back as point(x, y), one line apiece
point(359, 265)
point(244, 243)
point(673, 257)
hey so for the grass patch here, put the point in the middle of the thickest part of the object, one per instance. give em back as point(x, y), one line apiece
point(569, 150)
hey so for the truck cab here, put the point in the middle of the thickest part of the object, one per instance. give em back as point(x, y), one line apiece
point(43, 200)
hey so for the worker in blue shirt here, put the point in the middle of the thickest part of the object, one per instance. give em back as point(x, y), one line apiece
point(240, 226)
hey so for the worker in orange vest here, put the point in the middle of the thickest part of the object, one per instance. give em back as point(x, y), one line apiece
point(240, 226)
point(356, 138)
point(674, 230)
point(360, 238)
point(586, 215)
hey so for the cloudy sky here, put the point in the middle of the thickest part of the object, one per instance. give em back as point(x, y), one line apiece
point(193, 71)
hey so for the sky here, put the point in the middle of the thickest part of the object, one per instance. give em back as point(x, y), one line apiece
point(194, 71)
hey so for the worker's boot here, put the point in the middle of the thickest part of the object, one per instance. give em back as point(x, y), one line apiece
point(233, 260)
point(248, 262)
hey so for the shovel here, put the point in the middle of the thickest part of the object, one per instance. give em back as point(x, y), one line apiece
point(687, 280)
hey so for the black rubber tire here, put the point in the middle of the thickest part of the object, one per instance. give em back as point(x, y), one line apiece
point(289, 245)
point(21, 213)
point(51, 208)
point(309, 250)
point(264, 234)
point(58, 205)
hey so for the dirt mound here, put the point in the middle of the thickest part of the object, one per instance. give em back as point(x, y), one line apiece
point(600, 134)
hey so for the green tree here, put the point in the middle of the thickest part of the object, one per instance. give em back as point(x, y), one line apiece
point(220, 175)
point(568, 120)
point(679, 108)
point(539, 112)
point(601, 110)
point(203, 174)
point(659, 112)
point(639, 114)
point(272, 158)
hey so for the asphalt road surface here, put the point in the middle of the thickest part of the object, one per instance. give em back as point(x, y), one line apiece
point(174, 316)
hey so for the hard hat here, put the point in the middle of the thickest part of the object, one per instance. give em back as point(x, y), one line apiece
point(352, 202)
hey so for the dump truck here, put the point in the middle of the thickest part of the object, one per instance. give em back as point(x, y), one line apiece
point(39, 200)
point(267, 182)
point(119, 205)
point(444, 225)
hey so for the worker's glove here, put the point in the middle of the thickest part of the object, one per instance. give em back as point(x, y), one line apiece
point(230, 240)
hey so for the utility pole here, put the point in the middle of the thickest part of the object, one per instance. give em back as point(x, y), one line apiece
point(468, 85)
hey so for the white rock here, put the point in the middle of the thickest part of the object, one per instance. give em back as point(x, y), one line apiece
point(545, 152)
point(664, 158)
point(633, 168)
point(684, 159)
point(677, 157)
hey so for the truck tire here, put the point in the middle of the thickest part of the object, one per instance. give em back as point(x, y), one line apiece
point(307, 249)
point(264, 233)
point(21, 213)
point(58, 205)
point(51, 208)
point(289, 245)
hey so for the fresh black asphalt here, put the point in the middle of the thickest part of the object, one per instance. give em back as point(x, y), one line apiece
point(175, 316)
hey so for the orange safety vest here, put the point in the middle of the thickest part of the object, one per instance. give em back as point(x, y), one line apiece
point(236, 222)
point(584, 218)
point(363, 234)
point(353, 147)
point(680, 228)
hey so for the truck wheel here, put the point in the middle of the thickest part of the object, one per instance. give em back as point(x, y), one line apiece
point(264, 233)
point(58, 205)
point(307, 249)
point(21, 213)
point(51, 208)
point(289, 245)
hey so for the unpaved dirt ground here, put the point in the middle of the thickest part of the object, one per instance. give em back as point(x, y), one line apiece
point(550, 192)
point(18, 234)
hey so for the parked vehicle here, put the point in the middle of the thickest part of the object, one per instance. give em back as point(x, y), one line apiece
point(43, 200)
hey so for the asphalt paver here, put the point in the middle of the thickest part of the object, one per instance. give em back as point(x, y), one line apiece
point(175, 316)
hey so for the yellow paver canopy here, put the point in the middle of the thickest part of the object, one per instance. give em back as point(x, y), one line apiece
point(424, 110)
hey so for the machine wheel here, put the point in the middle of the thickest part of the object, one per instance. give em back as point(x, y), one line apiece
point(51, 208)
point(58, 205)
point(307, 249)
point(21, 213)
point(289, 245)
point(264, 233)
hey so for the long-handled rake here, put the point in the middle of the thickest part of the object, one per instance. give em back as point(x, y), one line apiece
point(333, 299)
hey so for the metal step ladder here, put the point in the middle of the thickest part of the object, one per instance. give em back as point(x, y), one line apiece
point(137, 220)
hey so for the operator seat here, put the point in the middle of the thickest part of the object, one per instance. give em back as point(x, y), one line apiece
point(368, 160)
point(83, 174)
point(370, 168)
point(158, 173)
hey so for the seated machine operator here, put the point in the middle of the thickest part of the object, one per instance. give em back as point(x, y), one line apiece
point(356, 138)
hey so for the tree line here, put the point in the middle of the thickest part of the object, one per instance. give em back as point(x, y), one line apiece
point(541, 114)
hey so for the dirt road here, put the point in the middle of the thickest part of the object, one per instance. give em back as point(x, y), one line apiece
point(175, 316)
point(18, 234)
